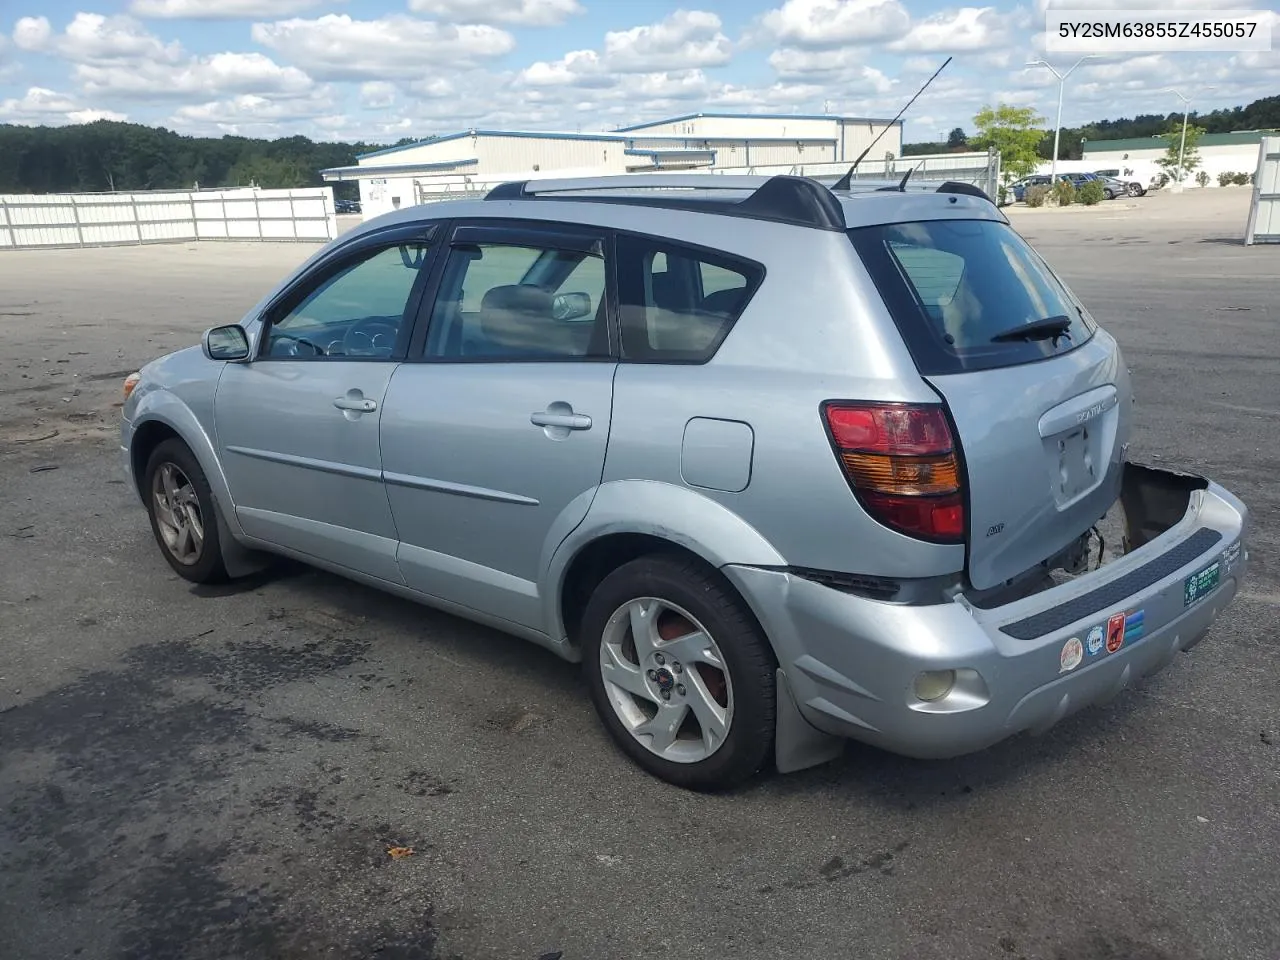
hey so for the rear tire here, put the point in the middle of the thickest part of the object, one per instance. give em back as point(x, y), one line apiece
point(657, 626)
point(184, 519)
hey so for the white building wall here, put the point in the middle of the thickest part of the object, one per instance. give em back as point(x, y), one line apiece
point(381, 195)
point(776, 153)
point(463, 148)
point(854, 137)
point(851, 136)
point(747, 152)
point(524, 153)
point(1227, 158)
point(746, 127)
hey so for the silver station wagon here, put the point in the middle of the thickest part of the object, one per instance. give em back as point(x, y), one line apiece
point(781, 464)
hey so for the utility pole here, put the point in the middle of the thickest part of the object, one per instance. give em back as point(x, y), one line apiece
point(1057, 127)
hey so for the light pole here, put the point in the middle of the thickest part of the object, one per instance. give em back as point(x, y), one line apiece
point(1186, 107)
point(1057, 128)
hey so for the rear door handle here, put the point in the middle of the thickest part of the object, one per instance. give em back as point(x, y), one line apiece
point(570, 421)
point(359, 405)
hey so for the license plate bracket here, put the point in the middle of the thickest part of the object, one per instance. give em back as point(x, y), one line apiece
point(1076, 474)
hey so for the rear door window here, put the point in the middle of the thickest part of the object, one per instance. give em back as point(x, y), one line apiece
point(676, 304)
point(953, 286)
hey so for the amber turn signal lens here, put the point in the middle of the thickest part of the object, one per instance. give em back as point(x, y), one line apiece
point(130, 382)
point(903, 476)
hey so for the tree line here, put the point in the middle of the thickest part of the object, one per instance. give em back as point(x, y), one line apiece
point(1262, 114)
point(109, 156)
point(112, 156)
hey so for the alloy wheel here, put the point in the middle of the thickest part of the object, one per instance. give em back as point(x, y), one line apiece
point(666, 680)
point(178, 516)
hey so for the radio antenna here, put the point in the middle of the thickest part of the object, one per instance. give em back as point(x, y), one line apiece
point(847, 180)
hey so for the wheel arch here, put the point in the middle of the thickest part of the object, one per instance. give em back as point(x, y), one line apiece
point(161, 416)
point(629, 518)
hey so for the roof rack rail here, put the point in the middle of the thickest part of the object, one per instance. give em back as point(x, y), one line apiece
point(798, 201)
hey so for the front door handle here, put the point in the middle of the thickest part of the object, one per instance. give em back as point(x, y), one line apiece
point(569, 421)
point(358, 404)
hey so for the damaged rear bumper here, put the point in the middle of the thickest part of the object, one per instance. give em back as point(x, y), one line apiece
point(851, 665)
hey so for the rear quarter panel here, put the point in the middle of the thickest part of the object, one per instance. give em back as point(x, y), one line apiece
point(816, 330)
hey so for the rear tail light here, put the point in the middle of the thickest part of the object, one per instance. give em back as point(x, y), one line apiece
point(902, 464)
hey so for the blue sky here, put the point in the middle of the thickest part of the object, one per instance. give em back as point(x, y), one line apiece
point(378, 70)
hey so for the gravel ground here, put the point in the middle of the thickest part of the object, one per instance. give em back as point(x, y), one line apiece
point(200, 773)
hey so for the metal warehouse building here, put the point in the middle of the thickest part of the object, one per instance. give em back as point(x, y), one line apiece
point(476, 159)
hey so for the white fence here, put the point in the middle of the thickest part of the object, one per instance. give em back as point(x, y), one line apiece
point(980, 169)
point(1264, 214)
point(113, 219)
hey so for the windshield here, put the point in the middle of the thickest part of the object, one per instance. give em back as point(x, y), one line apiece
point(954, 285)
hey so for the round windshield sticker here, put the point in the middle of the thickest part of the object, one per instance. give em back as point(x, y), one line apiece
point(1072, 654)
point(1093, 643)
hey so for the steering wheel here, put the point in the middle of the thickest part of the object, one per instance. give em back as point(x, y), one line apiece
point(286, 345)
point(371, 337)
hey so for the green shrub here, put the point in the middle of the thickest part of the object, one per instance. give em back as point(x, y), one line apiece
point(1162, 181)
point(1224, 179)
point(1003, 197)
point(1064, 192)
point(1091, 193)
point(1202, 178)
point(1241, 179)
point(1035, 196)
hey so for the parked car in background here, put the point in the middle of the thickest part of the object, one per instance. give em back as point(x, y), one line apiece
point(1110, 190)
point(1019, 189)
point(346, 206)
point(744, 449)
point(1127, 185)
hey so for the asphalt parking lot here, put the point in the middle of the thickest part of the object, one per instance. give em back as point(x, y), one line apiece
point(189, 772)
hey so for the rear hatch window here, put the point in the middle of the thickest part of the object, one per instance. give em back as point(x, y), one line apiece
point(959, 290)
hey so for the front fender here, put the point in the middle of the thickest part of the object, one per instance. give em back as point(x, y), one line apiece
point(677, 514)
point(163, 406)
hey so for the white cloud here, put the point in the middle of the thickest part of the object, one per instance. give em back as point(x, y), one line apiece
point(92, 116)
point(433, 88)
point(32, 33)
point(580, 68)
point(685, 40)
point(377, 94)
point(249, 114)
point(967, 30)
point(528, 13)
point(43, 106)
point(118, 57)
point(338, 47)
point(841, 68)
point(93, 38)
point(830, 23)
point(219, 9)
point(220, 74)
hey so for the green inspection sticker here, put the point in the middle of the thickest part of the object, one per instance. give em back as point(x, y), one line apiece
point(1200, 585)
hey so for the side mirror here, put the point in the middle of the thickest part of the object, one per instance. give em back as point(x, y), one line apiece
point(229, 343)
point(571, 306)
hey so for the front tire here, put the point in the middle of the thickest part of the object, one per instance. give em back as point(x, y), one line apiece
point(184, 519)
point(680, 673)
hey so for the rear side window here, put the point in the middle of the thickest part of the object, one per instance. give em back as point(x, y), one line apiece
point(954, 286)
point(676, 304)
